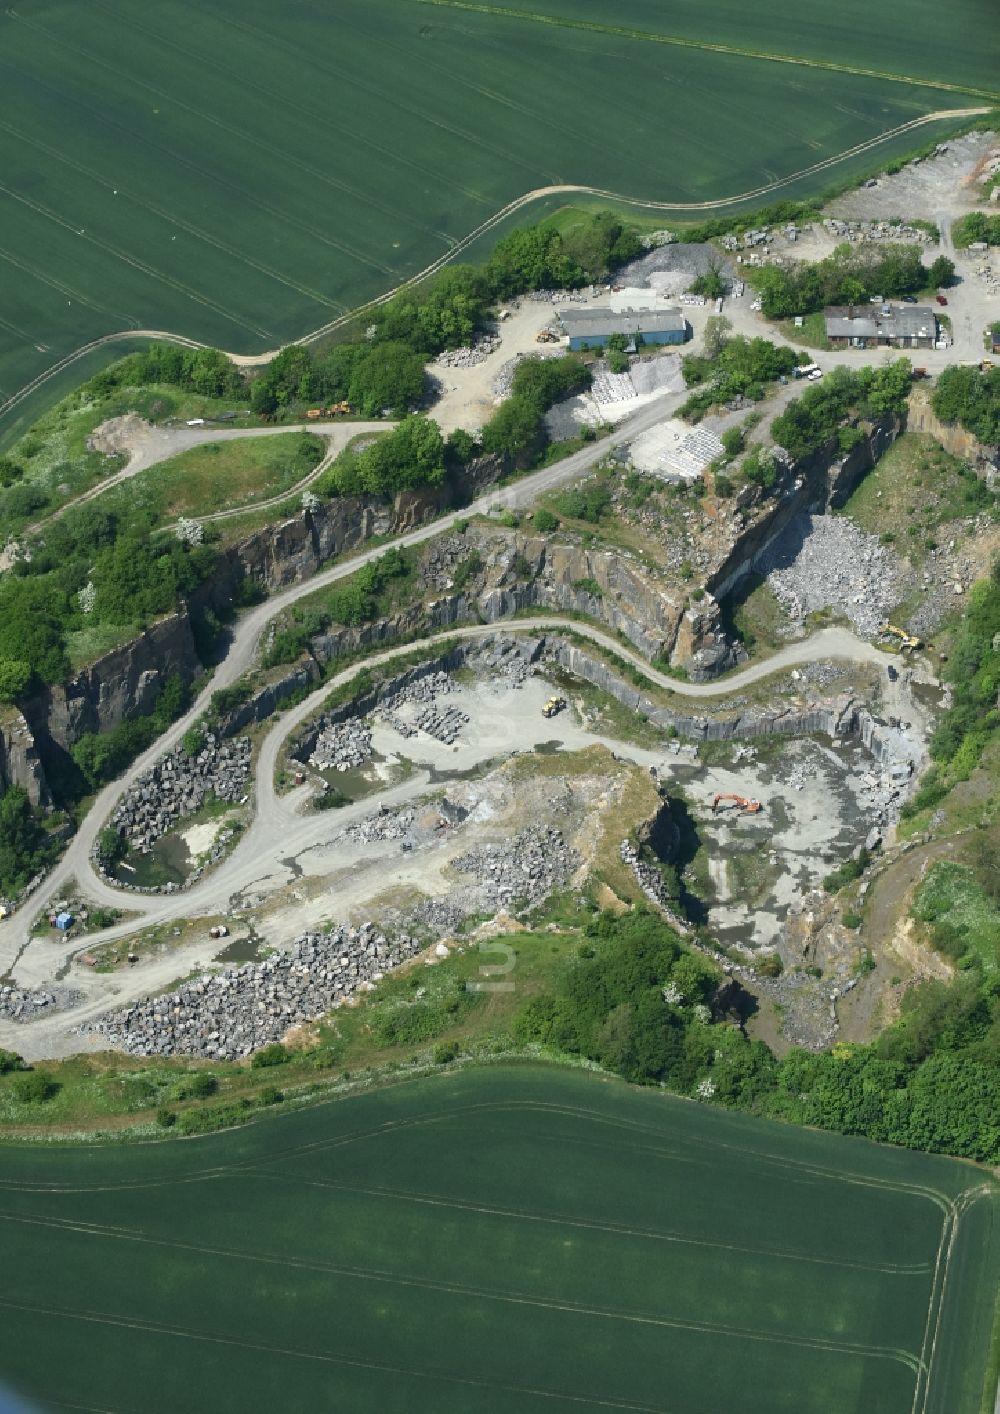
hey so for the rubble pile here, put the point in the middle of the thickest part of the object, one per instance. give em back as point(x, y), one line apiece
point(522, 869)
point(823, 561)
point(235, 1012)
point(178, 785)
point(860, 232)
point(19, 1005)
point(507, 660)
point(442, 724)
point(441, 559)
point(478, 352)
point(384, 825)
point(651, 882)
point(342, 746)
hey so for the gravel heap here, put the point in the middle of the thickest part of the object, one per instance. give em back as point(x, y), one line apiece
point(18, 1005)
point(385, 825)
point(178, 785)
point(527, 867)
point(235, 1012)
point(342, 746)
point(482, 346)
point(823, 561)
point(681, 260)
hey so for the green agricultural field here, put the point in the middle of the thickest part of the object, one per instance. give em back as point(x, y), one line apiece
point(507, 1240)
point(244, 173)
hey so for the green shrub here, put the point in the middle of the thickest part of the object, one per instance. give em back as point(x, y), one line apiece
point(274, 1054)
point(165, 1118)
point(851, 920)
point(10, 1061)
point(445, 1052)
point(545, 521)
point(847, 872)
point(196, 1087)
point(34, 1087)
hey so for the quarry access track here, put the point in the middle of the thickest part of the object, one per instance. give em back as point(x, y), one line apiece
point(280, 825)
point(484, 229)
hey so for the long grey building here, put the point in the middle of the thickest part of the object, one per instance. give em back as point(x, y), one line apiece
point(904, 326)
point(593, 327)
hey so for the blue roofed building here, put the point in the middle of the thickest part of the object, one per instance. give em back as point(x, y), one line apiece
point(591, 328)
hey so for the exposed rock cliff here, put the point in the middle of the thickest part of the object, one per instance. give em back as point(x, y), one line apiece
point(19, 760)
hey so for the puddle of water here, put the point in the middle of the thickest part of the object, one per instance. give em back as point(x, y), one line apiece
point(168, 862)
point(249, 949)
point(437, 775)
point(928, 695)
point(363, 781)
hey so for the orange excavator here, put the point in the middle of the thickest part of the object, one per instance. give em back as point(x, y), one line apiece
point(749, 807)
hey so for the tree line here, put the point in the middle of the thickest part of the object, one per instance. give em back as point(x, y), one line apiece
point(810, 422)
point(971, 398)
point(850, 275)
point(382, 369)
point(640, 1003)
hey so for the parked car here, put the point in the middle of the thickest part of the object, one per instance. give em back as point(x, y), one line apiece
point(909, 299)
point(941, 299)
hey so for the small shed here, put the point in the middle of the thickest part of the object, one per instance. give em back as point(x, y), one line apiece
point(64, 921)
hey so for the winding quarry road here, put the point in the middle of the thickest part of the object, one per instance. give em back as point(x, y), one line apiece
point(277, 824)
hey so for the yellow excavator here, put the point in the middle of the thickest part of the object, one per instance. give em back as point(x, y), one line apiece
point(554, 705)
point(909, 642)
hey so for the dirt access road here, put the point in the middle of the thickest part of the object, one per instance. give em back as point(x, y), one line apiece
point(283, 832)
point(147, 445)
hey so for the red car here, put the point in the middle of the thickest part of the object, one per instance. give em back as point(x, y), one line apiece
point(941, 299)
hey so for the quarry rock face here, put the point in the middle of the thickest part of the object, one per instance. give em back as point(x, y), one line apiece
point(19, 760)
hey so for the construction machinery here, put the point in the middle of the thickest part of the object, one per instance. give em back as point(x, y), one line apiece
point(909, 642)
point(339, 409)
point(547, 336)
point(554, 705)
point(749, 807)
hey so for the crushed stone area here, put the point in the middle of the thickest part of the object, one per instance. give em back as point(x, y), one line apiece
point(482, 346)
point(828, 562)
point(670, 269)
point(178, 785)
point(922, 189)
point(234, 1013)
point(521, 870)
point(27, 1005)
